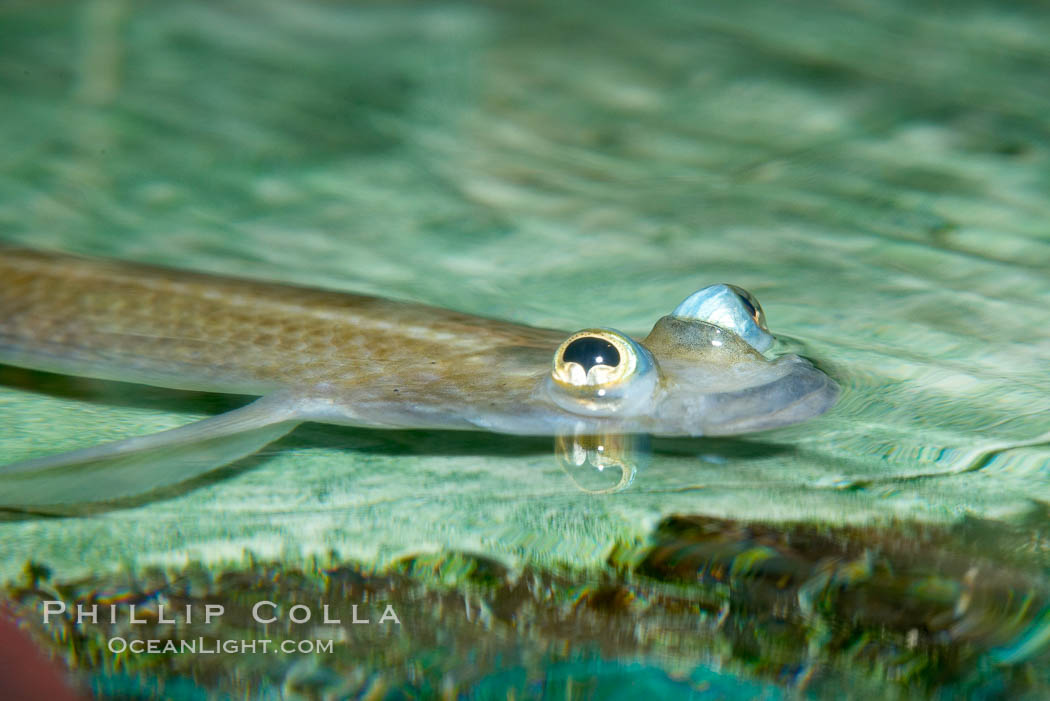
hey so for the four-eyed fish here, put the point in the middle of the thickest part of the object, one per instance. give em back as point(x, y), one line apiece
point(316, 355)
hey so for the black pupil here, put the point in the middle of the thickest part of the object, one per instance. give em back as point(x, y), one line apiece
point(590, 351)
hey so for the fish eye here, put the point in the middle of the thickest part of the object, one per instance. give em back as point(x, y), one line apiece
point(600, 372)
point(729, 307)
point(754, 309)
point(594, 357)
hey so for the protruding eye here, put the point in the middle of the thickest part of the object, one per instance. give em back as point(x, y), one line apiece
point(601, 371)
point(594, 357)
point(729, 307)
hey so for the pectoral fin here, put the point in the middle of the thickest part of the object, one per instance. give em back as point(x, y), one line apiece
point(142, 464)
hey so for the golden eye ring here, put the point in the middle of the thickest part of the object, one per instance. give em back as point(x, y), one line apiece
point(602, 372)
point(594, 358)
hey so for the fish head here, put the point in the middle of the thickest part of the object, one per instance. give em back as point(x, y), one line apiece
point(700, 372)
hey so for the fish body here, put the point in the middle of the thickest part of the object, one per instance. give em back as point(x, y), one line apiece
point(319, 355)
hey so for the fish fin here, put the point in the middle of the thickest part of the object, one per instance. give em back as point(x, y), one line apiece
point(134, 466)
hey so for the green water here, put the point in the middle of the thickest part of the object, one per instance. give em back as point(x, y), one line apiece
point(877, 173)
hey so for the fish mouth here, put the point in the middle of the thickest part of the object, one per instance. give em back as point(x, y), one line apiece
point(800, 393)
point(805, 395)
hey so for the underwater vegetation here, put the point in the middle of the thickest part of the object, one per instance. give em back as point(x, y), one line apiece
point(704, 604)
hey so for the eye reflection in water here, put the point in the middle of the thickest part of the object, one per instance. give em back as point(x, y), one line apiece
point(602, 463)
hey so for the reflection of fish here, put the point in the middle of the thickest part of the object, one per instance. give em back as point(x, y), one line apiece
point(339, 358)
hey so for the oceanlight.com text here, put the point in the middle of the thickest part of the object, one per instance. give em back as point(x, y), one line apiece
point(211, 646)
